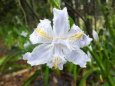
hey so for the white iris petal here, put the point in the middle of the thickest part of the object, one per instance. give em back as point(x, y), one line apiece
point(84, 40)
point(78, 57)
point(60, 21)
point(40, 55)
point(59, 45)
point(45, 26)
point(57, 59)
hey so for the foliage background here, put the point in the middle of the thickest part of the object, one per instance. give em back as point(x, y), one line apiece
point(17, 16)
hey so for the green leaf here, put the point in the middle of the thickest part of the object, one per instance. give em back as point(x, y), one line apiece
point(71, 21)
point(29, 80)
point(56, 3)
point(83, 80)
point(75, 73)
point(46, 76)
point(2, 60)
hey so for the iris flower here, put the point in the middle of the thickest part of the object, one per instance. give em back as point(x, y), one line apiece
point(59, 43)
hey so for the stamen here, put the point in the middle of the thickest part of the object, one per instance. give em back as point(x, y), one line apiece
point(56, 62)
point(43, 34)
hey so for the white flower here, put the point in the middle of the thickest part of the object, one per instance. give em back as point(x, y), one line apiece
point(24, 34)
point(26, 44)
point(58, 44)
point(95, 35)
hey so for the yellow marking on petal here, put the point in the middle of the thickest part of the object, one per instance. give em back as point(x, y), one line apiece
point(42, 34)
point(76, 36)
point(56, 62)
